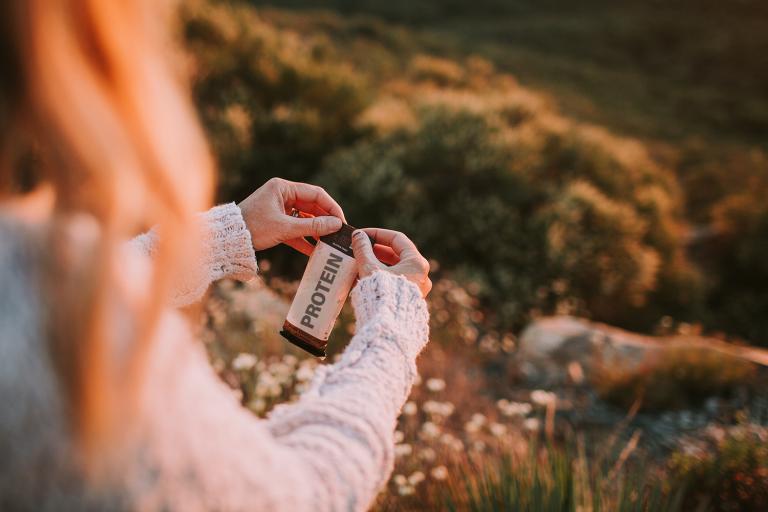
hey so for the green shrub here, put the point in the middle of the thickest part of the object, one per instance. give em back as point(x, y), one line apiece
point(738, 297)
point(674, 377)
point(536, 211)
point(597, 242)
point(730, 476)
point(273, 103)
point(540, 213)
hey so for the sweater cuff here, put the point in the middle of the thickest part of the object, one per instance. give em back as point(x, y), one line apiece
point(395, 299)
point(228, 247)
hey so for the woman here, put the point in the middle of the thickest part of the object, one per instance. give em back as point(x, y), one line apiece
point(108, 402)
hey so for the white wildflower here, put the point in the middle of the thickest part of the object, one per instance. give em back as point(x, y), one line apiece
point(471, 427)
point(444, 409)
point(478, 418)
point(400, 480)
point(257, 405)
point(244, 361)
point(410, 408)
point(405, 490)
point(282, 372)
point(475, 423)
point(429, 430)
point(427, 455)
point(430, 406)
point(531, 424)
point(399, 436)
point(543, 398)
point(508, 408)
point(304, 373)
point(497, 429)
point(439, 473)
point(401, 450)
point(416, 478)
point(435, 385)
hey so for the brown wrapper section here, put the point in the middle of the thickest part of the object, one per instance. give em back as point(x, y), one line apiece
point(305, 341)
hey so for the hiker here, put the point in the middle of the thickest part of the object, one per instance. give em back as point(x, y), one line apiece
point(108, 400)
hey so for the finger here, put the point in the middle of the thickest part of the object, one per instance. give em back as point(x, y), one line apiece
point(363, 250)
point(309, 197)
point(301, 245)
point(385, 254)
point(313, 226)
point(400, 244)
point(416, 264)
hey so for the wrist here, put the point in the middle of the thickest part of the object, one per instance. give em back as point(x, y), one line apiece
point(392, 298)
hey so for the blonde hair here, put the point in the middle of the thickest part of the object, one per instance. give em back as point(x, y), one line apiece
point(95, 85)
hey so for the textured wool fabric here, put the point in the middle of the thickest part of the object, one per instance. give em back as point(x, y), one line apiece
point(226, 252)
point(194, 447)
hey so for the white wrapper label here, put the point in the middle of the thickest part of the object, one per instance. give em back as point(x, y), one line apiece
point(327, 280)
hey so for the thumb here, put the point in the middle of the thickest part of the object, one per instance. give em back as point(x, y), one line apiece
point(366, 259)
point(312, 226)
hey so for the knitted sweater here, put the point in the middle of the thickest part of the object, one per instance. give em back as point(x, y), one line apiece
point(198, 448)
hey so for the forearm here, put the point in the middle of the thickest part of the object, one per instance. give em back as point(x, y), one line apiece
point(332, 450)
point(343, 426)
point(225, 250)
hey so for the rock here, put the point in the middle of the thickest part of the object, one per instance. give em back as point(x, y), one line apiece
point(567, 350)
point(550, 348)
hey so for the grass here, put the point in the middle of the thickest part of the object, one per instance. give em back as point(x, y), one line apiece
point(730, 475)
point(555, 480)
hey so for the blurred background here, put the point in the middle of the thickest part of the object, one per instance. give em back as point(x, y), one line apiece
point(589, 181)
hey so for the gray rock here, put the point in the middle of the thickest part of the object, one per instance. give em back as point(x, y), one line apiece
point(550, 345)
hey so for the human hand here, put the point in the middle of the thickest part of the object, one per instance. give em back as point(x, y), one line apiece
point(392, 248)
point(267, 214)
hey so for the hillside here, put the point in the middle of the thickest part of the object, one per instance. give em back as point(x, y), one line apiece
point(306, 91)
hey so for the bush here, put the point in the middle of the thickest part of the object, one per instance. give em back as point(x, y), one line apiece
point(674, 377)
point(536, 211)
point(539, 213)
point(731, 475)
point(739, 294)
point(273, 103)
point(583, 225)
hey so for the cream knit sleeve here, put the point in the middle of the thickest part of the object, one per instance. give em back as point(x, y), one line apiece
point(226, 251)
point(343, 426)
point(332, 450)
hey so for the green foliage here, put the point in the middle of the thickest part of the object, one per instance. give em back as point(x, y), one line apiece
point(556, 480)
point(597, 243)
point(542, 213)
point(739, 299)
point(544, 482)
point(731, 476)
point(674, 377)
point(504, 193)
point(272, 102)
